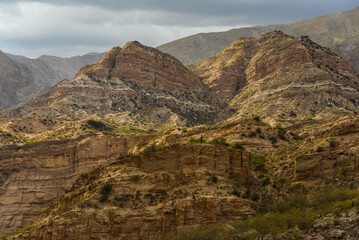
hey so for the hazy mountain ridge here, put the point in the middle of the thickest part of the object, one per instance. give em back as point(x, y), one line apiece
point(43, 72)
point(332, 30)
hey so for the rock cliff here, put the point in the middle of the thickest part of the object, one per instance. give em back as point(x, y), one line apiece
point(149, 195)
point(33, 175)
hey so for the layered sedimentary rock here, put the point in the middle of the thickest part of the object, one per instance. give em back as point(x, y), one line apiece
point(136, 79)
point(328, 153)
point(33, 175)
point(151, 194)
point(282, 77)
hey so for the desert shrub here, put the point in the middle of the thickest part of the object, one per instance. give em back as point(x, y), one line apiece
point(220, 141)
point(266, 181)
point(258, 130)
point(214, 178)
point(333, 144)
point(98, 125)
point(238, 146)
point(257, 161)
point(105, 191)
point(252, 134)
point(320, 149)
point(197, 140)
point(257, 118)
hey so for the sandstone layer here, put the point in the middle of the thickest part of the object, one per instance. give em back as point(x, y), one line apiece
point(33, 175)
point(151, 194)
point(281, 77)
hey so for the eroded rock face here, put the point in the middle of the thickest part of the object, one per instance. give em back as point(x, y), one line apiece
point(135, 78)
point(152, 194)
point(33, 175)
point(279, 76)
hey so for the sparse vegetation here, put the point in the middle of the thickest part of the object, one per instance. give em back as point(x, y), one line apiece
point(220, 141)
point(257, 161)
point(291, 211)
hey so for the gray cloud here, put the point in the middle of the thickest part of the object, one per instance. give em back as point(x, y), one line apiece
point(66, 28)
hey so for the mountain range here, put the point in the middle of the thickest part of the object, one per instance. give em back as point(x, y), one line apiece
point(258, 141)
point(337, 31)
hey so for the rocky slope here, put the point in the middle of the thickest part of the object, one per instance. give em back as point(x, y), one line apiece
point(135, 79)
point(33, 175)
point(149, 195)
point(281, 78)
point(338, 31)
point(23, 78)
point(185, 177)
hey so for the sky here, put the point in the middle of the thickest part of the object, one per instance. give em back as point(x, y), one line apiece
point(74, 27)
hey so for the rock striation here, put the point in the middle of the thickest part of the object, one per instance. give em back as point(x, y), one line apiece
point(136, 79)
point(281, 77)
point(33, 175)
point(151, 194)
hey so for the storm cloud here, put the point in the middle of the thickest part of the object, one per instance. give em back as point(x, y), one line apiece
point(67, 28)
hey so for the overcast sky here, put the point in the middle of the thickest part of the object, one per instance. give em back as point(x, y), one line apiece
point(75, 27)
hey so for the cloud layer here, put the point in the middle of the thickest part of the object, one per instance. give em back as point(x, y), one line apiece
point(67, 28)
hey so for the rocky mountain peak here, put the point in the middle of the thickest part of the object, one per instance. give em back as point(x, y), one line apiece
point(136, 79)
point(277, 70)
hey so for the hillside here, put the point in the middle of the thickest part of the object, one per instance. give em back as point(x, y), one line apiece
point(337, 31)
point(258, 141)
point(281, 78)
point(135, 79)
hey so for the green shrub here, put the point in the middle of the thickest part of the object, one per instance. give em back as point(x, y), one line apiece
point(308, 119)
point(197, 140)
point(257, 161)
point(220, 141)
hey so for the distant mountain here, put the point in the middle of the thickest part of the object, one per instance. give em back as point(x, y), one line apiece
point(36, 75)
point(13, 56)
point(339, 31)
point(17, 83)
